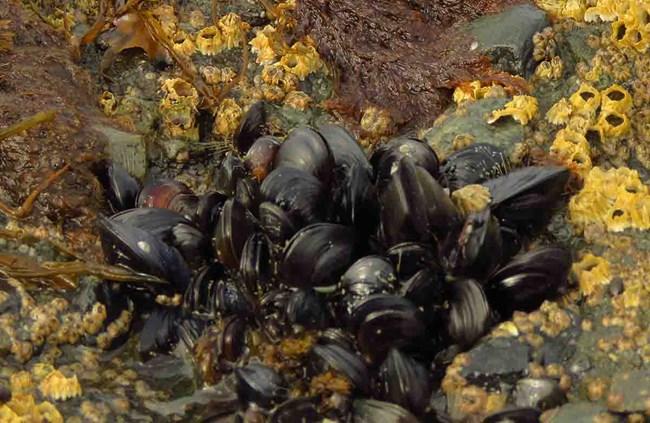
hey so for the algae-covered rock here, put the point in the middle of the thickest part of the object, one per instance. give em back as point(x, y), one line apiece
point(576, 412)
point(633, 390)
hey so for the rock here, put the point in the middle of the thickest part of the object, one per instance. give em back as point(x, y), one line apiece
point(126, 149)
point(543, 393)
point(507, 37)
point(576, 412)
point(470, 119)
point(633, 388)
point(561, 348)
point(497, 361)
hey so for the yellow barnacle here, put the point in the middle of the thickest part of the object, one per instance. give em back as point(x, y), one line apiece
point(605, 10)
point(302, 60)
point(298, 100)
point(108, 103)
point(21, 382)
point(183, 44)
point(8, 415)
point(471, 198)
point(214, 75)
point(574, 9)
point(560, 112)
point(522, 108)
point(210, 41)
point(49, 412)
point(572, 148)
point(56, 386)
point(232, 28)
point(273, 74)
point(376, 121)
point(179, 91)
point(41, 370)
point(262, 45)
point(227, 118)
point(616, 98)
point(592, 272)
point(614, 124)
point(586, 99)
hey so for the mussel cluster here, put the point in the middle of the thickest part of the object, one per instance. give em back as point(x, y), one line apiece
point(363, 258)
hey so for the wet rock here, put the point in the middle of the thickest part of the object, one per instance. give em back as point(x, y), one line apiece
point(469, 119)
point(559, 349)
point(497, 361)
point(630, 391)
point(506, 38)
point(576, 412)
point(541, 393)
point(126, 149)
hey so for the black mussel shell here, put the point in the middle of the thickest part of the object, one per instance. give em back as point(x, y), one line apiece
point(469, 314)
point(297, 410)
point(192, 244)
point(229, 299)
point(336, 336)
point(121, 188)
point(409, 257)
point(355, 199)
point(260, 385)
point(474, 164)
point(229, 171)
point(441, 212)
point(143, 252)
point(208, 211)
point(299, 193)
point(169, 194)
point(233, 338)
point(543, 393)
point(476, 251)
point(345, 362)
point(387, 328)
point(305, 149)
point(317, 255)
point(276, 223)
point(307, 309)
point(252, 127)
point(345, 149)
point(255, 264)
point(515, 415)
point(377, 302)
point(273, 309)
point(259, 158)
point(528, 280)
point(248, 193)
point(368, 275)
point(372, 411)
point(197, 299)
point(159, 334)
point(405, 382)
point(235, 225)
point(525, 198)
point(159, 222)
point(386, 156)
point(426, 287)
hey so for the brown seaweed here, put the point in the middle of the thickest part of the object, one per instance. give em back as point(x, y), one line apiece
point(402, 55)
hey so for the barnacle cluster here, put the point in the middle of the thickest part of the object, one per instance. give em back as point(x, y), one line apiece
point(615, 199)
point(57, 387)
point(475, 90)
point(522, 108)
point(179, 109)
point(23, 407)
point(592, 273)
point(574, 9)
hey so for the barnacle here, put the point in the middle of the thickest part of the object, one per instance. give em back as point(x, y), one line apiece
point(233, 29)
point(552, 69)
point(574, 9)
point(614, 124)
point(471, 91)
point(298, 100)
point(41, 370)
point(592, 272)
point(210, 41)
point(179, 91)
point(58, 387)
point(522, 108)
point(605, 10)
point(302, 59)
point(560, 112)
point(544, 44)
point(227, 118)
point(272, 92)
point(214, 75)
point(572, 148)
point(471, 198)
point(631, 30)
point(616, 98)
point(108, 103)
point(167, 17)
point(587, 98)
point(262, 44)
point(21, 382)
point(580, 121)
point(615, 199)
point(376, 121)
point(49, 413)
point(183, 44)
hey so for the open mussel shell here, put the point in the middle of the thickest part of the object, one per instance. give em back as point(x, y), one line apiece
point(260, 385)
point(525, 198)
point(410, 257)
point(141, 251)
point(255, 267)
point(317, 255)
point(305, 149)
point(297, 192)
point(297, 410)
point(229, 171)
point(515, 415)
point(121, 188)
point(307, 309)
point(252, 127)
point(474, 164)
point(469, 314)
point(169, 194)
point(343, 361)
point(208, 210)
point(476, 251)
point(528, 280)
point(405, 382)
point(260, 156)
point(371, 411)
point(385, 157)
point(235, 225)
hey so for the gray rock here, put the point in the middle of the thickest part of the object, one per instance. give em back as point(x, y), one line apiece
point(543, 393)
point(126, 149)
point(507, 37)
point(576, 412)
point(634, 386)
point(497, 362)
point(470, 118)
